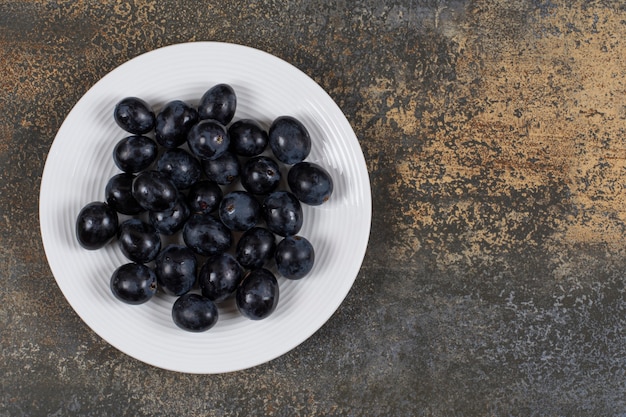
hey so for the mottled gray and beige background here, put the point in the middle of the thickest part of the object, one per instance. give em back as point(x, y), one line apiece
point(494, 134)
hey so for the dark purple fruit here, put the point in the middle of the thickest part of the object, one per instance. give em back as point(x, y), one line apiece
point(239, 210)
point(134, 115)
point(260, 175)
point(173, 123)
point(119, 194)
point(257, 295)
point(140, 242)
point(133, 283)
point(133, 154)
point(175, 269)
point(310, 183)
point(247, 138)
point(283, 213)
point(255, 247)
point(224, 169)
point(194, 313)
point(182, 168)
point(171, 221)
point(218, 103)
point(96, 225)
point(206, 235)
point(294, 257)
point(289, 140)
point(208, 139)
point(204, 197)
point(219, 277)
point(154, 191)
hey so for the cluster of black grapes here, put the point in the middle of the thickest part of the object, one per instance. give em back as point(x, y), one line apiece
point(180, 167)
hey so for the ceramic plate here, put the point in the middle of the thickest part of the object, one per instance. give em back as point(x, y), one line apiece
point(79, 165)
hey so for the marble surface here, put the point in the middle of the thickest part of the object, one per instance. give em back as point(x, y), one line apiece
point(493, 283)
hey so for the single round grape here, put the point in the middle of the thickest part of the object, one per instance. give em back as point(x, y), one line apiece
point(247, 137)
point(289, 140)
point(294, 257)
point(182, 168)
point(175, 268)
point(133, 154)
point(219, 277)
point(194, 313)
point(171, 221)
point(96, 225)
point(239, 210)
point(257, 295)
point(223, 170)
point(139, 241)
point(260, 175)
point(206, 235)
point(173, 123)
point(218, 103)
point(119, 194)
point(310, 183)
point(208, 139)
point(204, 197)
point(133, 283)
point(134, 115)
point(283, 213)
point(255, 247)
point(154, 191)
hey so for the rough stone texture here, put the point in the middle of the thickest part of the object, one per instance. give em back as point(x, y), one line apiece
point(494, 280)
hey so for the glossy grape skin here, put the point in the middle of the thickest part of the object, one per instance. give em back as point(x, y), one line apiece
point(208, 139)
point(218, 103)
point(134, 154)
point(139, 241)
point(219, 277)
point(255, 247)
point(134, 115)
point(204, 197)
point(181, 167)
point(310, 183)
point(171, 221)
point(154, 191)
point(224, 169)
point(294, 257)
point(96, 225)
point(289, 140)
point(260, 175)
point(206, 235)
point(133, 283)
point(239, 210)
point(257, 295)
point(173, 123)
point(119, 194)
point(247, 137)
point(175, 268)
point(194, 313)
point(282, 212)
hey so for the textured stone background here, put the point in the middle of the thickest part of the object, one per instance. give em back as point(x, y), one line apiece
point(494, 280)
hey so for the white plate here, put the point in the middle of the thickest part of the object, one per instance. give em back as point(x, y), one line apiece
point(79, 165)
